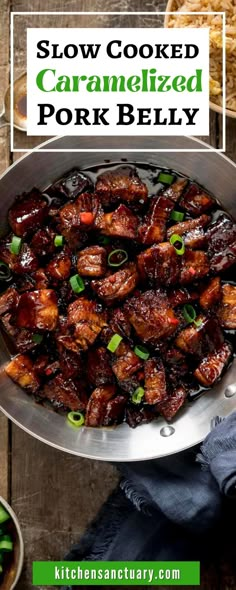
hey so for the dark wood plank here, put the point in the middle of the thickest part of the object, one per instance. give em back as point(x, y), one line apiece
point(4, 163)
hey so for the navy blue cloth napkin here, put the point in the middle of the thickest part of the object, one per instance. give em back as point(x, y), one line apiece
point(169, 508)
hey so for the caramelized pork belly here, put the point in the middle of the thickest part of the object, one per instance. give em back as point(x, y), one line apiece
point(221, 236)
point(180, 296)
point(99, 369)
point(211, 367)
point(136, 416)
point(97, 405)
point(59, 267)
point(127, 362)
point(21, 371)
point(115, 410)
point(37, 310)
point(151, 316)
point(175, 191)
point(42, 242)
point(24, 262)
point(169, 407)
point(118, 286)
point(8, 300)
point(91, 262)
point(176, 365)
point(196, 201)
point(194, 266)
point(119, 223)
point(160, 264)
point(153, 229)
point(192, 231)
point(71, 185)
point(86, 319)
point(121, 184)
point(74, 224)
point(211, 295)
point(119, 322)
point(64, 394)
point(41, 281)
point(28, 213)
point(70, 362)
point(155, 381)
point(199, 340)
point(227, 308)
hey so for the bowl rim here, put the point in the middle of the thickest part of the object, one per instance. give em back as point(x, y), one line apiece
point(20, 537)
point(213, 106)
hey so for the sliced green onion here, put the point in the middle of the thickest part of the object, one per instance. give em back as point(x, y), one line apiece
point(175, 238)
point(177, 215)
point(75, 418)
point(114, 342)
point(115, 253)
point(6, 543)
point(77, 284)
point(58, 241)
point(165, 178)
point(190, 315)
point(142, 352)
point(4, 516)
point(37, 338)
point(5, 272)
point(138, 395)
point(104, 240)
point(15, 245)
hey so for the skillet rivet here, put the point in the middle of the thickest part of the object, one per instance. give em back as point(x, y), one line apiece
point(167, 431)
point(230, 391)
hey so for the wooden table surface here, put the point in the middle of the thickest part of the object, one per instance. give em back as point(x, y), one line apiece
point(54, 494)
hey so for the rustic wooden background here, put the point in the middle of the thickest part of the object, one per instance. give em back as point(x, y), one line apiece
point(54, 494)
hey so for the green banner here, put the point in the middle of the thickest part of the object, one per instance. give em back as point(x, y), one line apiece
point(116, 573)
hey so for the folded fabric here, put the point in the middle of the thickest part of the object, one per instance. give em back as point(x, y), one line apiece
point(168, 508)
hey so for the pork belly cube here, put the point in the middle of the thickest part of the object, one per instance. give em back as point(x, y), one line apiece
point(115, 410)
point(21, 371)
point(135, 416)
point(211, 295)
point(192, 231)
point(121, 184)
point(211, 367)
point(41, 280)
point(97, 405)
point(64, 394)
point(119, 323)
point(155, 381)
point(227, 309)
point(151, 317)
point(153, 229)
point(177, 366)
point(160, 264)
point(196, 201)
point(195, 265)
point(199, 340)
point(74, 224)
point(169, 408)
point(99, 369)
point(127, 362)
point(72, 185)
point(8, 300)
point(221, 236)
point(92, 262)
point(42, 242)
point(118, 286)
point(59, 266)
point(87, 319)
point(70, 362)
point(182, 295)
point(24, 262)
point(175, 191)
point(28, 213)
point(37, 310)
point(121, 223)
